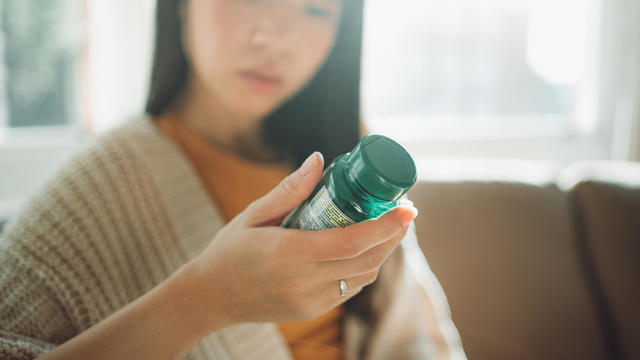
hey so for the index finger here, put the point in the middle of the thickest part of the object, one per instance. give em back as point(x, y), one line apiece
point(353, 240)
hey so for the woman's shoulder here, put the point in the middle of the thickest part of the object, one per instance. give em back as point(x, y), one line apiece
point(136, 134)
point(109, 157)
point(114, 153)
point(129, 174)
point(100, 231)
point(105, 192)
point(106, 170)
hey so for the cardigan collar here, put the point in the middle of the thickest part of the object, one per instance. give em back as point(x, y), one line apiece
point(195, 223)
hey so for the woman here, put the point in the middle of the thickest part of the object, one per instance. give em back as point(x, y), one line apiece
point(161, 239)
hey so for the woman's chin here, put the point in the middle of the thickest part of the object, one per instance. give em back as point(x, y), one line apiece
point(254, 109)
point(254, 106)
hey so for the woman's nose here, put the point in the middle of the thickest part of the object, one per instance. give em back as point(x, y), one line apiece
point(276, 28)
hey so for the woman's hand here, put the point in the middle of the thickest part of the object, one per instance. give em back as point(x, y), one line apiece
point(256, 271)
point(253, 271)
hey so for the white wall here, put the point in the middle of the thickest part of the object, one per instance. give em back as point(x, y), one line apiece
point(620, 86)
point(120, 46)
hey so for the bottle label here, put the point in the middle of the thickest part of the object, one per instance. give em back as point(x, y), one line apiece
point(321, 213)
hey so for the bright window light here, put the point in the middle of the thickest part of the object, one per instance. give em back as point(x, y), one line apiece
point(468, 69)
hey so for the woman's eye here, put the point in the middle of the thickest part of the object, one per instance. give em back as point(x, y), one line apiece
point(318, 12)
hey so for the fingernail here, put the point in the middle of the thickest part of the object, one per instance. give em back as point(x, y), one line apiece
point(408, 217)
point(406, 202)
point(307, 165)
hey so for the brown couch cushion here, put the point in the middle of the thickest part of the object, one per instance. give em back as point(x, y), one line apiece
point(506, 257)
point(606, 197)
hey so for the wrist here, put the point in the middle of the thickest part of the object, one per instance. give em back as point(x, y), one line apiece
point(191, 297)
point(166, 322)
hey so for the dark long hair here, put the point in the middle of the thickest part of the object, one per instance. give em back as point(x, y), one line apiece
point(324, 115)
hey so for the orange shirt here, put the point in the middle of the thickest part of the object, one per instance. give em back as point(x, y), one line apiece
point(233, 182)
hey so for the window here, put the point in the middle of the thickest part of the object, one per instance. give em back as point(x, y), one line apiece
point(467, 69)
point(43, 79)
point(41, 43)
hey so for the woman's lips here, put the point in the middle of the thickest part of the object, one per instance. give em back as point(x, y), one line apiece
point(260, 82)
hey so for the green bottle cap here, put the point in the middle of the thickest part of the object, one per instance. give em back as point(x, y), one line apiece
point(382, 167)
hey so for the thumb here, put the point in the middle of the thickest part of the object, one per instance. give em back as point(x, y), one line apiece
point(288, 194)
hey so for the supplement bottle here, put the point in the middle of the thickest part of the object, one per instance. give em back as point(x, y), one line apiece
point(359, 185)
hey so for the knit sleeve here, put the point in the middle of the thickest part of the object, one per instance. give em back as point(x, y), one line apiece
point(19, 347)
point(37, 292)
point(32, 320)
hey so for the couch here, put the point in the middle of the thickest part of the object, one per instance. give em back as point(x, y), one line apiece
point(545, 269)
point(537, 261)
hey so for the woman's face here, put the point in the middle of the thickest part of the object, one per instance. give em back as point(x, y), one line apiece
point(251, 55)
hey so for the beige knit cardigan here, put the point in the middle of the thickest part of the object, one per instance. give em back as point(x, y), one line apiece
point(126, 212)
